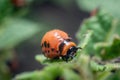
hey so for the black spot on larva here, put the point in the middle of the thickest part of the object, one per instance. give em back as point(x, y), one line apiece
point(61, 47)
point(68, 40)
point(48, 51)
point(48, 45)
point(57, 51)
point(45, 44)
point(52, 49)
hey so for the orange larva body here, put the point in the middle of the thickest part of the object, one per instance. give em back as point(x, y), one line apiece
point(57, 43)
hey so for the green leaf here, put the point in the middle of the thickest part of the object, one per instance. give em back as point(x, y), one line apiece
point(5, 8)
point(109, 50)
point(112, 6)
point(48, 73)
point(101, 27)
point(14, 31)
point(115, 76)
point(70, 75)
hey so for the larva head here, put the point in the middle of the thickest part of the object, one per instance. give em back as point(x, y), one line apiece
point(71, 53)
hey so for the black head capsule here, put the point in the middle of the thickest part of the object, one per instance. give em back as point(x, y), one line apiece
point(71, 53)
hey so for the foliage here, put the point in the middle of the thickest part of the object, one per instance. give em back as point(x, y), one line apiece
point(112, 6)
point(99, 37)
point(105, 28)
point(96, 34)
point(12, 8)
point(13, 30)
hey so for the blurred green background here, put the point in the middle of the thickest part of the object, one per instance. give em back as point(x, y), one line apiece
point(23, 23)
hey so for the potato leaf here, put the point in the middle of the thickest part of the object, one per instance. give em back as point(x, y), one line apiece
point(112, 6)
point(102, 28)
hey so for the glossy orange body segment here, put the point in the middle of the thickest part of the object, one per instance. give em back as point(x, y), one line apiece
point(56, 43)
point(53, 38)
